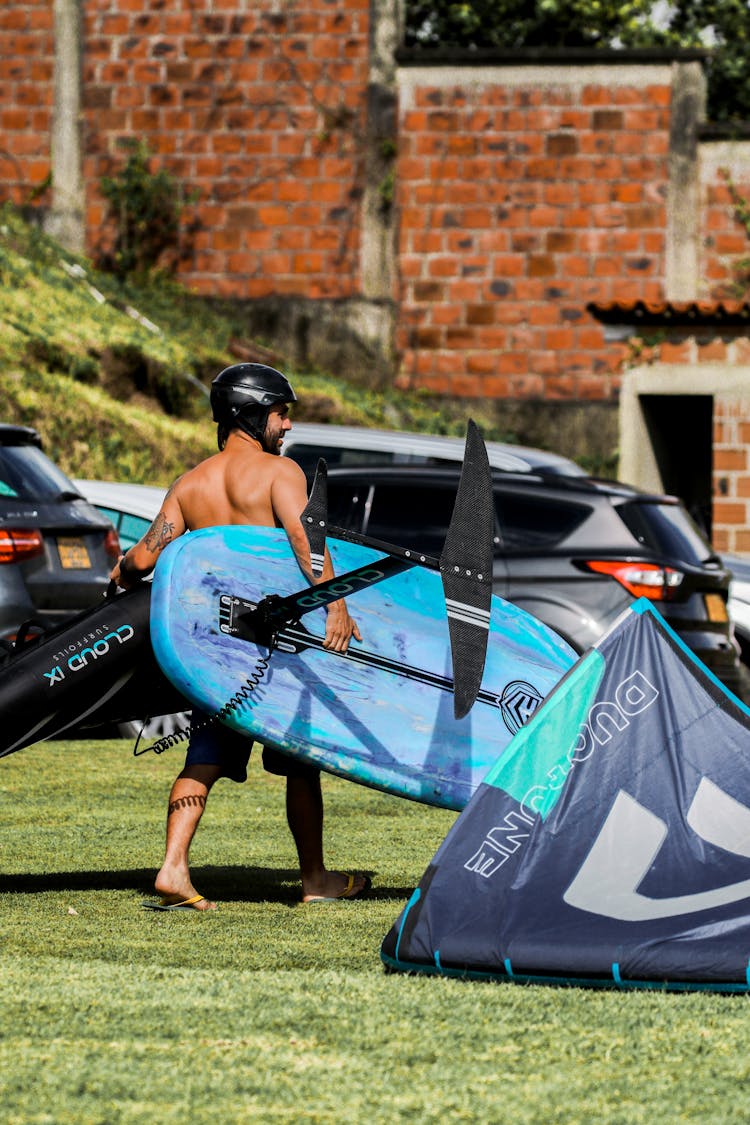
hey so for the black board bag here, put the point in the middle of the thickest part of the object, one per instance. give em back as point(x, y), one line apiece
point(97, 668)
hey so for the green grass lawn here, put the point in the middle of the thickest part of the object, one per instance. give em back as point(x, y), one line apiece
point(267, 1010)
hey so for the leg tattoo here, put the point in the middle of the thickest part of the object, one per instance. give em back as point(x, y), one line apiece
point(189, 800)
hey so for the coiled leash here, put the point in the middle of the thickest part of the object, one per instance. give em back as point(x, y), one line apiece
point(235, 703)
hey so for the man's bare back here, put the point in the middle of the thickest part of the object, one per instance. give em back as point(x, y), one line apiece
point(240, 485)
point(233, 487)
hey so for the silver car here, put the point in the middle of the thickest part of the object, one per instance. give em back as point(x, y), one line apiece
point(348, 447)
point(131, 508)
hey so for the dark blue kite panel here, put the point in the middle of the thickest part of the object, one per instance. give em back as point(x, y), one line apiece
point(611, 842)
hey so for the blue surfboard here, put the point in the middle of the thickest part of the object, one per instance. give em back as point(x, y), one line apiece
point(381, 715)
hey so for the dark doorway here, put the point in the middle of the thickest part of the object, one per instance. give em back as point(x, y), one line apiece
point(681, 431)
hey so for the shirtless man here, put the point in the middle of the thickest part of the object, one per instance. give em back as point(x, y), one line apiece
point(246, 482)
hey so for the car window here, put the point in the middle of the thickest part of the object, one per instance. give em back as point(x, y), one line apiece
point(347, 505)
point(27, 474)
point(667, 529)
point(411, 516)
point(129, 528)
point(112, 515)
point(528, 522)
point(307, 457)
point(133, 528)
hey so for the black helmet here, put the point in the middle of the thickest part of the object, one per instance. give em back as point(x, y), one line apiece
point(242, 395)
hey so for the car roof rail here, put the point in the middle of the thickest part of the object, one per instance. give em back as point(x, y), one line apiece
point(19, 435)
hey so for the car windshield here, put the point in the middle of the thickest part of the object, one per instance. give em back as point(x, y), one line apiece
point(28, 474)
point(666, 529)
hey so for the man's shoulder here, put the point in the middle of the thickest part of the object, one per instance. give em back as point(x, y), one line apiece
point(284, 466)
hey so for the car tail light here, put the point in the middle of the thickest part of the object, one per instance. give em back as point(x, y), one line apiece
point(112, 544)
point(642, 580)
point(18, 544)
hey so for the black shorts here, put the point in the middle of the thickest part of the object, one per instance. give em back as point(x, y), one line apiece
point(213, 744)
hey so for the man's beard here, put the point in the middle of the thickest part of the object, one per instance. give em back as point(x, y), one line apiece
point(270, 444)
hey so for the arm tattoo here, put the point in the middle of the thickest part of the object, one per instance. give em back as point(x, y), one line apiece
point(159, 534)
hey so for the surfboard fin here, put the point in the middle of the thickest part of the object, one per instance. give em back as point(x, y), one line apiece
point(315, 518)
point(466, 570)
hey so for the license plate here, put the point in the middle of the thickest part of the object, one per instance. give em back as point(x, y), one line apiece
point(74, 554)
point(716, 608)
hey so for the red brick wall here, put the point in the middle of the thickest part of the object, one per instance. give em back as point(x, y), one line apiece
point(255, 105)
point(26, 97)
point(731, 504)
point(519, 204)
point(522, 193)
point(725, 242)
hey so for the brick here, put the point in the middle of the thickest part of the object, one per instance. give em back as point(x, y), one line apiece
point(560, 386)
point(731, 243)
point(442, 315)
point(460, 338)
point(595, 95)
point(528, 386)
point(675, 352)
point(541, 265)
point(591, 388)
point(308, 263)
point(575, 265)
point(561, 144)
point(543, 216)
point(729, 513)
point(561, 194)
point(578, 217)
point(328, 192)
point(730, 460)
point(524, 242)
point(544, 363)
point(558, 240)
point(543, 314)
point(558, 339)
point(291, 238)
point(480, 314)
point(442, 267)
point(11, 119)
point(128, 96)
point(512, 363)
point(713, 350)
point(543, 168)
point(607, 119)
point(480, 363)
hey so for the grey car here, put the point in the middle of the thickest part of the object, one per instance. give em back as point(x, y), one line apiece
point(574, 552)
point(56, 549)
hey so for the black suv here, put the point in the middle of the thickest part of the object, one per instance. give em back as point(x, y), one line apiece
point(572, 551)
point(56, 550)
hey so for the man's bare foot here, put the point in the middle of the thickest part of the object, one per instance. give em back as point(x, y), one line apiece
point(175, 888)
point(334, 885)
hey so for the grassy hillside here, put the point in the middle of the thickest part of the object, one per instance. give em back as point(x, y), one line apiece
point(114, 375)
